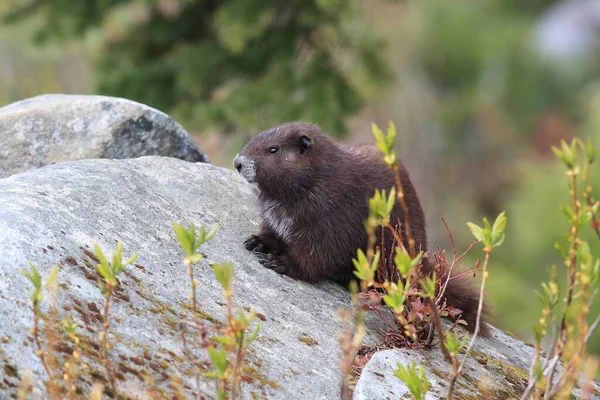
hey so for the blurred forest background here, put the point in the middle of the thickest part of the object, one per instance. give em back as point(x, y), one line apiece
point(478, 89)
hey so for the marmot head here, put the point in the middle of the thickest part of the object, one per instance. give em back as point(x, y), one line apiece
point(284, 161)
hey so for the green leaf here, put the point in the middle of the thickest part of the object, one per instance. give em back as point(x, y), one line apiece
point(595, 207)
point(477, 231)
point(34, 277)
point(212, 232)
point(558, 153)
point(253, 335)
point(131, 259)
point(36, 280)
point(360, 259)
point(568, 211)
point(428, 285)
point(52, 276)
point(454, 343)
point(590, 153)
point(117, 257)
point(110, 271)
point(218, 359)
point(561, 250)
point(404, 263)
point(223, 273)
point(69, 327)
point(200, 238)
point(379, 137)
point(498, 229)
point(184, 239)
point(362, 269)
point(390, 202)
point(103, 268)
point(415, 379)
point(487, 229)
point(226, 340)
point(391, 134)
point(395, 298)
point(375, 263)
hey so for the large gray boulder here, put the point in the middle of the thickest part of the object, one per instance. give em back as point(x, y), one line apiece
point(53, 128)
point(55, 214)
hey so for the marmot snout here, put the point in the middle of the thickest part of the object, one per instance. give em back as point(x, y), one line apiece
point(245, 167)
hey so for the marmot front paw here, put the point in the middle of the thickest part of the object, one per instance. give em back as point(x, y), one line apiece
point(263, 244)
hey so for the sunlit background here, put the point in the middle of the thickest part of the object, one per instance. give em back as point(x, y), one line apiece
point(479, 91)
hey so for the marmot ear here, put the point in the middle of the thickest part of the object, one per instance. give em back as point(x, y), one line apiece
point(305, 144)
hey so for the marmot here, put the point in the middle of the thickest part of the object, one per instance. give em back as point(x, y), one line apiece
point(313, 195)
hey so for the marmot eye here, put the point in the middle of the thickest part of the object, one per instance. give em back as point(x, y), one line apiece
point(273, 150)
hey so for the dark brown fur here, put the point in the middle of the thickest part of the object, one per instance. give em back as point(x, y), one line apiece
point(314, 197)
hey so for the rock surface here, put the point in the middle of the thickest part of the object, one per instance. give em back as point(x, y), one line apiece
point(498, 369)
point(53, 128)
point(55, 214)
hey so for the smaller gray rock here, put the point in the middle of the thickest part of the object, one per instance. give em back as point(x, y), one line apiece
point(497, 369)
point(52, 128)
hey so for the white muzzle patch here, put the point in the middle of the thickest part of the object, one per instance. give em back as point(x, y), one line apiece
point(246, 167)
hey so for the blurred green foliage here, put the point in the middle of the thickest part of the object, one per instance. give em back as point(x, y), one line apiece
point(501, 106)
point(229, 65)
point(480, 55)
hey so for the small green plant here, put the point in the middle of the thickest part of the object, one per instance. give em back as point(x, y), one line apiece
point(233, 338)
point(415, 379)
point(227, 349)
point(70, 369)
point(350, 339)
point(491, 237)
point(109, 272)
point(570, 330)
point(190, 243)
point(73, 364)
point(416, 301)
point(36, 296)
point(454, 343)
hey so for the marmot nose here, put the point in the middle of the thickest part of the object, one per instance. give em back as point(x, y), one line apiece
point(237, 163)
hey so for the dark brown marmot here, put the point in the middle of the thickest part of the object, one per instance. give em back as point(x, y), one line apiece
point(313, 194)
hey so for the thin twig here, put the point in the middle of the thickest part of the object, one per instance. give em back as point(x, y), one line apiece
point(397, 236)
point(383, 317)
point(572, 258)
point(475, 332)
point(236, 391)
point(188, 353)
point(105, 342)
point(400, 195)
point(449, 277)
point(532, 383)
point(553, 391)
point(553, 342)
point(467, 250)
point(454, 259)
point(438, 325)
point(449, 236)
point(591, 330)
point(587, 194)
